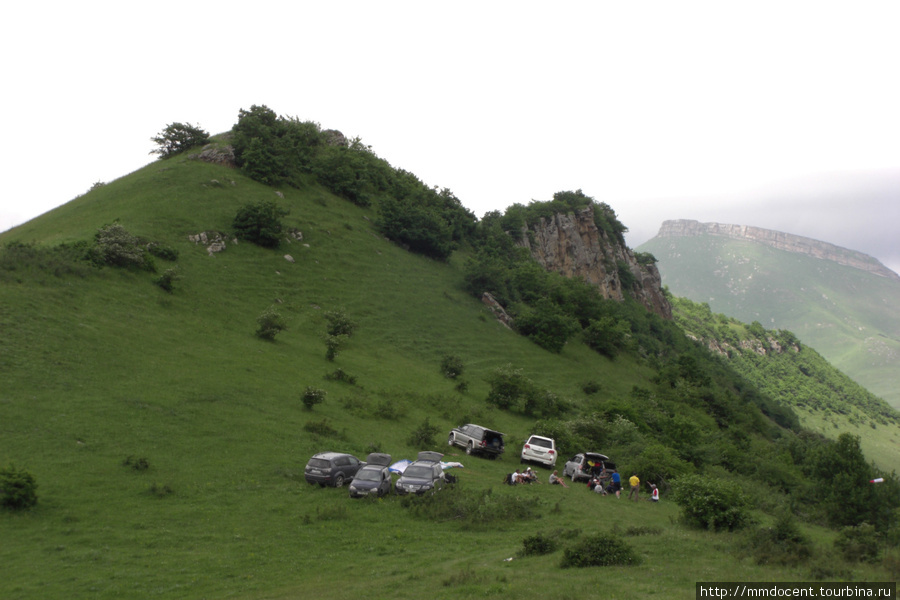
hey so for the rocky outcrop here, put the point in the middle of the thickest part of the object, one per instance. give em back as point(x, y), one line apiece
point(779, 240)
point(572, 245)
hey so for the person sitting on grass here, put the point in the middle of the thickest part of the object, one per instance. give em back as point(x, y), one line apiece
point(556, 480)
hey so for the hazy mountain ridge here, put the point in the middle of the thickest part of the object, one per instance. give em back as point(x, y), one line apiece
point(779, 240)
point(841, 302)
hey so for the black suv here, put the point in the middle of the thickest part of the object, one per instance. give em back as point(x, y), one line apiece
point(332, 468)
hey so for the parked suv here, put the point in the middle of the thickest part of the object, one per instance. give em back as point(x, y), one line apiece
point(331, 468)
point(374, 478)
point(539, 449)
point(477, 440)
point(424, 476)
point(582, 466)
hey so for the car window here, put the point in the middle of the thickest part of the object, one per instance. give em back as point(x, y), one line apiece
point(319, 463)
point(542, 442)
point(418, 472)
point(352, 461)
point(342, 461)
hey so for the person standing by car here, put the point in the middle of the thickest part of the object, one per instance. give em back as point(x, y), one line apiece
point(635, 487)
point(616, 483)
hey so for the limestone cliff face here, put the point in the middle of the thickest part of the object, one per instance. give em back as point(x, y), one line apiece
point(779, 240)
point(571, 244)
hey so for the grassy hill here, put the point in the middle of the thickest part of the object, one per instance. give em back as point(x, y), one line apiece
point(168, 441)
point(848, 315)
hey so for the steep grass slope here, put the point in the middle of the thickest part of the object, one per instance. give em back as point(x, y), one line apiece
point(848, 315)
point(103, 374)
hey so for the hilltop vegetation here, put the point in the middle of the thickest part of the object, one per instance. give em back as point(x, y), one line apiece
point(167, 437)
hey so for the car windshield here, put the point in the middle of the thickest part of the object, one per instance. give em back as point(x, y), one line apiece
point(418, 472)
point(542, 442)
point(369, 475)
point(319, 463)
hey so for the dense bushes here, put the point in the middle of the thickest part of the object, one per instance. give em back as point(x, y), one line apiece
point(260, 223)
point(115, 246)
point(601, 550)
point(710, 503)
point(18, 488)
point(269, 324)
point(278, 150)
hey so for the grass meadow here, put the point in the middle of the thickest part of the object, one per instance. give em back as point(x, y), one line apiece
point(168, 441)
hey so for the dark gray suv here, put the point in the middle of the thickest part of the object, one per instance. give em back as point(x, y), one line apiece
point(331, 468)
point(424, 476)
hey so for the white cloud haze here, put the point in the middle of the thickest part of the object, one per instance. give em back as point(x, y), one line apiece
point(772, 114)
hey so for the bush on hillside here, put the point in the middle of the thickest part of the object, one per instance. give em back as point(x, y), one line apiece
point(269, 324)
point(116, 247)
point(538, 545)
point(709, 503)
point(178, 137)
point(18, 489)
point(859, 543)
point(781, 544)
point(167, 280)
point(312, 396)
point(260, 223)
point(339, 323)
point(333, 344)
point(452, 366)
point(423, 436)
point(603, 550)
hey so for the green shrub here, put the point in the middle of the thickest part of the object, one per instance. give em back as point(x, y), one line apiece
point(167, 280)
point(333, 345)
point(711, 503)
point(601, 550)
point(312, 396)
point(472, 508)
point(114, 246)
point(451, 366)
point(781, 544)
point(161, 491)
point(138, 464)
point(423, 435)
point(270, 323)
point(322, 428)
point(260, 223)
point(537, 545)
point(178, 137)
point(18, 489)
point(163, 252)
point(859, 543)
point(342, 376)
point(339, 323)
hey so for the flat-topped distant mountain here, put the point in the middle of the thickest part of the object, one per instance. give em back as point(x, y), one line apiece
point(841, 302)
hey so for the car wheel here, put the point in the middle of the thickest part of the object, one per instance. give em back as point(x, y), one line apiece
point(338, 480)
point(470, 448)
point(450, 440)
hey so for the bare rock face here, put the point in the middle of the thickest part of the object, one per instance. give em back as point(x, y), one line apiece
point(220, 155)
point(572, 245)
point(213, 240)
point(500, 314)
point(780, 241)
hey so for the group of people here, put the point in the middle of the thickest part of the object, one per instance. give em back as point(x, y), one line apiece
point(526, 476)
point(610, 482)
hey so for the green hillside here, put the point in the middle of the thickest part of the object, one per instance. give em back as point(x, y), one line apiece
point(848, 315)
point(168, 441)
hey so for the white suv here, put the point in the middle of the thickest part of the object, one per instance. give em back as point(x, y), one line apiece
point(539, 449)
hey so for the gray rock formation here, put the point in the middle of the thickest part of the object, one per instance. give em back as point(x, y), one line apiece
point(572, 245)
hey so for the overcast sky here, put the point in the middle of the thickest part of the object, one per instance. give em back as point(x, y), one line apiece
point(784, 115)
